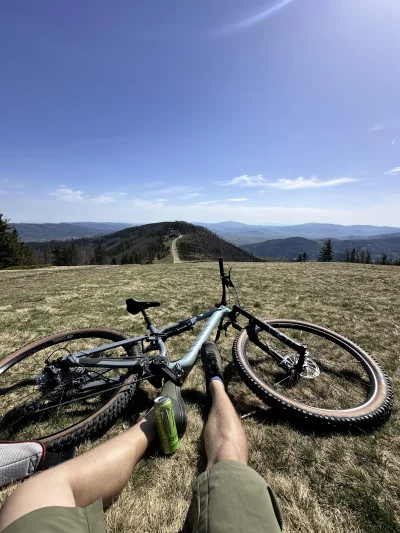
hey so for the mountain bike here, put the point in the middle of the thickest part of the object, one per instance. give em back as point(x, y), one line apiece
point(70, 385)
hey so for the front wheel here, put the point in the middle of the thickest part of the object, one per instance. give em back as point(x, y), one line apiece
point(61, 408)
point(340, 386)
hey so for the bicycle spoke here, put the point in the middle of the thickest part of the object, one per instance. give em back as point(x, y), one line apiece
point(35, 403)
point(342, 390)
point(363, 384)
point(282, 380)
point(341, 382)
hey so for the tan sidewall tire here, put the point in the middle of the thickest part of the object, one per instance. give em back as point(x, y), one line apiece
point(375, 409)
point(100, 418)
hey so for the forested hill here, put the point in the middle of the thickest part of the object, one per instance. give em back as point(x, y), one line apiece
point(285, 248)
point(290, 248)
point(141, 244)
point(203, 245)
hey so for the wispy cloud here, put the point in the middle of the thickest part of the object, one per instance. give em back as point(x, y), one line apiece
point(385, 125)
point(190, 195)
point(311, 183)
point(176, 189)
point(394, 172)
point(68, 195)
point(254, 19)
point(376, 127)
point(245, 181)
point(285, 184)
point(213, 203)
point(107, 198)
point(237, 200)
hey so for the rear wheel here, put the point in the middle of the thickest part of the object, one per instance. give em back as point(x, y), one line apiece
point(41, 402)
point(340, 385)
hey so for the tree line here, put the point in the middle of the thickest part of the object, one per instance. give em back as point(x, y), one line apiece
point(12, 251)
point(353, 255)
point(139, 246)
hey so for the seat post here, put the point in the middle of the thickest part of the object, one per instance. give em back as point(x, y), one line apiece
point(148, 321)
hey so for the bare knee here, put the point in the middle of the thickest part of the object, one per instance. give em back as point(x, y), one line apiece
point(47, 489)
point(228, 450)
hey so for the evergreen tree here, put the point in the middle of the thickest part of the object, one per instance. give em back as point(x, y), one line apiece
point(62, 254)
point(13, 252)
point(73, 254)
point(125, 259)
point(385, 259)
point(326, 251)
point(305, 257)
point(65, 254)
point(99, 255)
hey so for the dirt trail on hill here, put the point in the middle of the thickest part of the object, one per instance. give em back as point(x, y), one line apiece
point(174, 250)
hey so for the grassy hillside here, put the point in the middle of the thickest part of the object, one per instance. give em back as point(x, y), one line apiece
point(141, 244)
point(325, 484)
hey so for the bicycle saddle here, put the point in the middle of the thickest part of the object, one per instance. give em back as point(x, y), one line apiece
point(135, 306)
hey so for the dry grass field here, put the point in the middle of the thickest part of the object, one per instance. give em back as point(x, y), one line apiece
point(325, 484)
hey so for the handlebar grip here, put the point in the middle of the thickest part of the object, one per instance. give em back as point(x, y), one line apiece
point(221, 266)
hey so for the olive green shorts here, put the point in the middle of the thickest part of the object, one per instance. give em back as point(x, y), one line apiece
point(230, 497)
point(61, 520)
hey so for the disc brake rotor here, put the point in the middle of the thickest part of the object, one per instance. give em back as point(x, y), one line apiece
point(310, 369)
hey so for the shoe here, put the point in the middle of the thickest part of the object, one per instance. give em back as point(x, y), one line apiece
point(212, 363)
point(174, 392)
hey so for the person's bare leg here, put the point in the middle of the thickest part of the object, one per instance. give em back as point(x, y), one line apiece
point(224, 437)
point(100, 473)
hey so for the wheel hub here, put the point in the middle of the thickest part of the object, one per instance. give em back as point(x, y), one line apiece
point(48, 378)
point(310, 369)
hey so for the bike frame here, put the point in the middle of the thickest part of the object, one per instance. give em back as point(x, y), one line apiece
point(157, 336)
point(85, 357)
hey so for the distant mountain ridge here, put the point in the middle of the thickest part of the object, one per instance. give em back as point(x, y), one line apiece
point(66, 230)
point(235, 232)
point(242, 234)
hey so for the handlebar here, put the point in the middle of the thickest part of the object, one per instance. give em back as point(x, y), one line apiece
point(221, 266)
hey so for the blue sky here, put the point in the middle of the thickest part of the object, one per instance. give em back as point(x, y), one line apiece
point(260, 111)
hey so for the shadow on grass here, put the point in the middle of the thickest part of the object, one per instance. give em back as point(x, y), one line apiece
point(201, 465)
